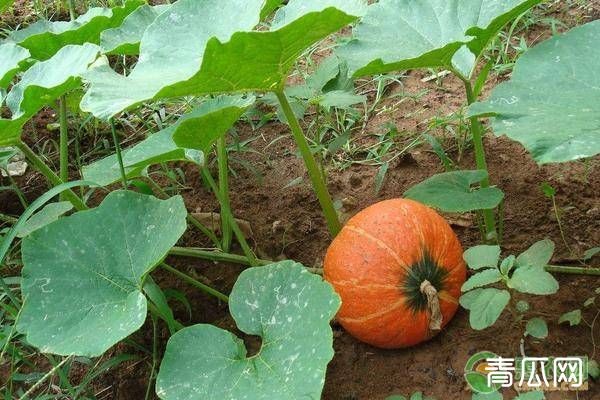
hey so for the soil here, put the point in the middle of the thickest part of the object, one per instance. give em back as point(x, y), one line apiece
point(287, 223)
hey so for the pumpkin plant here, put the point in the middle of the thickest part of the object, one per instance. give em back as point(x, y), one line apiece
point(526, 273)
point(112, 290)
point(398, 267)
point(397, 35)
point(223, 59)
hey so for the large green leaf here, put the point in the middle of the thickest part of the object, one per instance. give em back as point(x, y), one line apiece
point(226, 56)
point(285, 305)
point(11, 60)
point(550, 105)
point(403, 34)
point(43, 83)
point(126, 38)
point(44, 38)
point(198, 129)
point(167, 55)
point(452, 192)
point(83, 274)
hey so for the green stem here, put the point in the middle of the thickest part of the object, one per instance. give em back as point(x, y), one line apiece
point(64, 143)
point(232, 222)
point(214, 256)
point(194, 282)
point(573, 270)
point(477, 133)
point(18, 191)
point(71, 7)
point(154, 356)
point(113, 130)
point(316, 178)
point(224, 191)
point(39, 164)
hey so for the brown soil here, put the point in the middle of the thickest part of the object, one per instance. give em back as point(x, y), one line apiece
point(359, 371)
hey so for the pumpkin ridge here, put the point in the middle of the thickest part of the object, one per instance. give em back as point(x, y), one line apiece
point(379, 313)
point(380, 243)
point(363, 286)
point(445, 296)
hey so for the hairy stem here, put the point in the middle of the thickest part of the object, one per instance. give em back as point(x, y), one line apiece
point(113, 130)
point(214, 256)
point(477, 132)
point(71, 6)
point(573, 270)
point(231, 220)
point(64, 143)
point(224, 192)
point(314, 172)
point(205, 288)
point(41, 166)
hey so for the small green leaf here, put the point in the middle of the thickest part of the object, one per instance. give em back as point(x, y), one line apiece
point(485, 306)
point(548, 190)
point(522, 306)
point(572, 317)
point(537, 328)
point(590, 301)
point(507, 265)
point(538, 255)
point(550, 103)
point(12, 57)
point(339, 99)
point(44, 38)
point(198, 129)
point(126, 38)
point(46, 215)
point(588, 254)
point(395, 397)
point(83, 274)
point(483, 278)
point(158, 298)
point(452, 192)
point(396, 35)
point(284, 304)
point(482, 256)
point(533, 280)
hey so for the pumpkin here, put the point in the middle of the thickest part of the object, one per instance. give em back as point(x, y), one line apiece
point(398, 268)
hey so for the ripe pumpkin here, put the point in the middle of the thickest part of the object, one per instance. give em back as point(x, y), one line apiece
point(398, 268)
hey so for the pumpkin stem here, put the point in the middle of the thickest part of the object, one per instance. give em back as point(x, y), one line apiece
point(433, 305)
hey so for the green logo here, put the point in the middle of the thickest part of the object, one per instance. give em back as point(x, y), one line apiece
point(476, 375)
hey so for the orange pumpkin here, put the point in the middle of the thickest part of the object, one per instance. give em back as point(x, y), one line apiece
point(398, 268)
